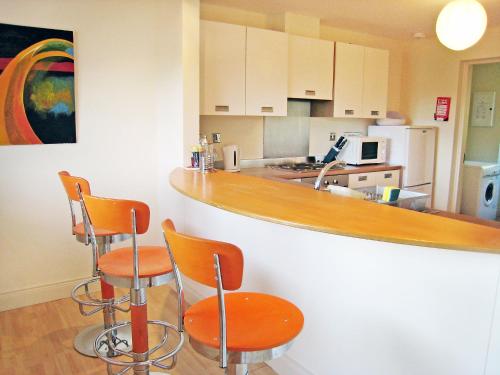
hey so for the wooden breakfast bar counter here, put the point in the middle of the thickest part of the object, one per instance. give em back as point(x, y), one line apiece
point(307, 208)
point(406, 292)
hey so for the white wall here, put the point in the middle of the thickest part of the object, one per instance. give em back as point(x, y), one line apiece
point(431, 70)
point(129, 102)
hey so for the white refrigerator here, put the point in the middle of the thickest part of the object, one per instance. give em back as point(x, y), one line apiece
point(412, 147)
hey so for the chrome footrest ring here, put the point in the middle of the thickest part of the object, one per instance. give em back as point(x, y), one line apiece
point(156, 362)
point(95, 303)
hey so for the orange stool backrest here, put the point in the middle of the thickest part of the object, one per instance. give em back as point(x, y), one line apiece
point(116, 214)
point(195, 258)
point(69, 182)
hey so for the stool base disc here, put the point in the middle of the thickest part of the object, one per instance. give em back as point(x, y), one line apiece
point(84, 340)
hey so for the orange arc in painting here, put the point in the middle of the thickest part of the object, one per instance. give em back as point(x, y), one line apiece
point(14, 125)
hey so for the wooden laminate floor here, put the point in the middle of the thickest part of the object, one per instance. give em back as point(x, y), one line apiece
point(38, 340)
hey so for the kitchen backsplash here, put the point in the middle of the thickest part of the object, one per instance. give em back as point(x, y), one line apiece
point(321, 127)
point(272, 137)
point(288, 136)
point(245, 131)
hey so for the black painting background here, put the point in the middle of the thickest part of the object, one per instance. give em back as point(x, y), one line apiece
point(49, 128)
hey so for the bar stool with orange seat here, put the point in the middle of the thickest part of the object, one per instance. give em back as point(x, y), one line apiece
point(237, 328)
point(136, 268)
point(84, 340)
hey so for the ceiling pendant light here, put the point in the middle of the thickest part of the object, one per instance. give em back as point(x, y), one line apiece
point(461, 24)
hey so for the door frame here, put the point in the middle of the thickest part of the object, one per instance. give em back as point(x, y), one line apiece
point(461, 129)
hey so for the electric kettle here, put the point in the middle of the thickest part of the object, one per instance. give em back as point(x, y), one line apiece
point(231, 158)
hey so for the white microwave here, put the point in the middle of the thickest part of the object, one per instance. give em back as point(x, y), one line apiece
point(365, 150)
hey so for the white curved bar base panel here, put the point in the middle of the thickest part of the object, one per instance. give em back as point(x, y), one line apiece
point(370, 307)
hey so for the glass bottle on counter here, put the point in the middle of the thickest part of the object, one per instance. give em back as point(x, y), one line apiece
point(208, 155)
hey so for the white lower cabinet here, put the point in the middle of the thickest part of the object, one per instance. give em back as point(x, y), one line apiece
point(388, 178)
point(360, 180)
point(383, 178)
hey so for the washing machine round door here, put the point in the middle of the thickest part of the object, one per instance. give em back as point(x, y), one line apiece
point(490, 193)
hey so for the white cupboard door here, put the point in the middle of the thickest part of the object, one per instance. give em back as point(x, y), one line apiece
point(388, 178)
point(266, 73)
point(310, 68)
point(348, 84)
point(222, 68)
point(359, 180)
point(420, 164)
point(375, 85)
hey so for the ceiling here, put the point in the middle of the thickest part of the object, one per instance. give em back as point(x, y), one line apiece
point(392, 18)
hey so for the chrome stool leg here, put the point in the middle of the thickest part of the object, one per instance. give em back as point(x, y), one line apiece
point(84, 341)
point(141, 356)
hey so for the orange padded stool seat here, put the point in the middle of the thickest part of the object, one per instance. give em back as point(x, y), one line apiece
point(153, 261)
point(137, 268)
point(84, 341)
point(234, 328)
point(255, 321)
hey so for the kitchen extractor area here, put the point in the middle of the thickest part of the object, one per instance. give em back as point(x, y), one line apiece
point(235, 187)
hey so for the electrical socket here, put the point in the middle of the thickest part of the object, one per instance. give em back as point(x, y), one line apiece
point(333, 136)
point(216, 137)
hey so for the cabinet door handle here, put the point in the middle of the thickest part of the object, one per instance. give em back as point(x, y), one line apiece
point(221, 108)
point(375, 113)
point(349, 112)
point(387, 175)
point(267, 109)
point(362, 178)
point(310, 92)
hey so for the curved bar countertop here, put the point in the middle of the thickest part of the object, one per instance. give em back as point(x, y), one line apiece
point(303, 207)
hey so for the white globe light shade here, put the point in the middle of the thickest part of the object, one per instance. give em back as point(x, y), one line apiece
point(461, 24)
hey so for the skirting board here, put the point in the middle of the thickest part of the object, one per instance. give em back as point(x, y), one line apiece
point(283, 365)
point(39, 294)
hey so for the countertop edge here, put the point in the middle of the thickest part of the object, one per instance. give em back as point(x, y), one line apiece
point(420, 243)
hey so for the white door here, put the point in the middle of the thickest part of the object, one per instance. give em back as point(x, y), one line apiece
point(348, 83)
point(266, 72)
point(222, 68)
point(375, 83)
point(420, 165)
point(310, 68)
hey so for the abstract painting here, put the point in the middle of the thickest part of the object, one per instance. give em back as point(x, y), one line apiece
point(37, 96)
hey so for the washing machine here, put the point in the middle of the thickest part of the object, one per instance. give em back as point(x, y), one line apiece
point(480, 189)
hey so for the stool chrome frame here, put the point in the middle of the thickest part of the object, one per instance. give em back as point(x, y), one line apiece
point(140, 363)
point(233, 362)
point(84, 340)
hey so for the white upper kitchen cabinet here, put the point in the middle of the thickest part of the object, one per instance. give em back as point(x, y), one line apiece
point(361, 81)
point(222, 68)
point(375, 82)
point(266, 72)
point(348, 86)
point(310, 68)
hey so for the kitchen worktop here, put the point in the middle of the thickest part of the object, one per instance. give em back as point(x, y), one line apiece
point(287, 174)
point(298, 206)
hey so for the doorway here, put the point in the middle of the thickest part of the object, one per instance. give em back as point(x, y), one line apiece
point(477, 141)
